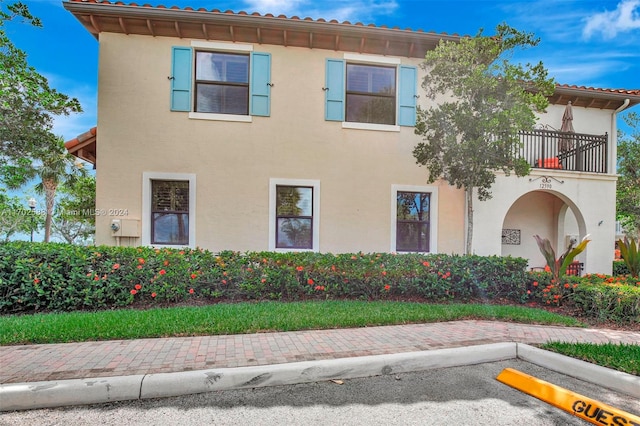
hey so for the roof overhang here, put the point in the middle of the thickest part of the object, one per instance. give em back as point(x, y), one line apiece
point(242, 27)
point(590, 97)
point(84, 146)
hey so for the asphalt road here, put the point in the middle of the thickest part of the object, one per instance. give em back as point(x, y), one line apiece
point(451, 396)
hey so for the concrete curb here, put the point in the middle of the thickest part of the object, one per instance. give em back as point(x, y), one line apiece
point(173, 384)
point(25, 396)
point(60, 393)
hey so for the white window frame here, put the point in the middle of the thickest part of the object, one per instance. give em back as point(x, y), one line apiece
point(353, 58)
point(147, 177)
point(315, 184)
point(433, 214)
point(223, 48)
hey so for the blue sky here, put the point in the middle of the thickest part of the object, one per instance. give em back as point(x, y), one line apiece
point(584, 42)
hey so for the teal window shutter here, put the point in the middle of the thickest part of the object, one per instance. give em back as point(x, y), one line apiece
point(260, 85)
point(181, 78)
point(407, 95)
point(334, 90)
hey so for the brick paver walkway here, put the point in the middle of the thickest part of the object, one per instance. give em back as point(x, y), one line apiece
point(124, 357)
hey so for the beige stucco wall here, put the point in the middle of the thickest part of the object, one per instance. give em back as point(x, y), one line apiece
point(234, 161)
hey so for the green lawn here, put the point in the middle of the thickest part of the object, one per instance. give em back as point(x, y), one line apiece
point(617, 356)
point(249, 318)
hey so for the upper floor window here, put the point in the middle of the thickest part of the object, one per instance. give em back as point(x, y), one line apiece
point(370, 92)
point(222, 83)
point(212, 80)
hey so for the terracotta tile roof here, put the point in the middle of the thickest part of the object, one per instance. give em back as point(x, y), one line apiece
point(244, 13)
point(594, 97)
point(104, 16)
point(116, 16)
point(84, 146)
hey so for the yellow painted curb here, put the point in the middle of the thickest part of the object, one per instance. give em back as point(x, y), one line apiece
point(580, 406)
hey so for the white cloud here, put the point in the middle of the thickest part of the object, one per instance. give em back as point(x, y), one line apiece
point(625, 18)
point(341, 10)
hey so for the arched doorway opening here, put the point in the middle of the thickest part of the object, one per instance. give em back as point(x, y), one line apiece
point(545, 213)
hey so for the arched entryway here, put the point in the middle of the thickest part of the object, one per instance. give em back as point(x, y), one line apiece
point(545, 213)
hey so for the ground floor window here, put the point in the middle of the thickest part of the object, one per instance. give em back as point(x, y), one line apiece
point(414, 214)
point(294, 212)
point(169, 212)
point(412, 221)
point(168, 209)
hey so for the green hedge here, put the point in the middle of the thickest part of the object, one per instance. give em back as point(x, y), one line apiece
point(596, 296)
point(61, 277)
point(620, 268)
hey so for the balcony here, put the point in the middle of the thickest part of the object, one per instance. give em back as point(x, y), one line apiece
point(550, 149)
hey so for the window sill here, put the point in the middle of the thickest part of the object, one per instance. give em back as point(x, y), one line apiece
point(370, 126)
point(294, 250)
point(220, 117)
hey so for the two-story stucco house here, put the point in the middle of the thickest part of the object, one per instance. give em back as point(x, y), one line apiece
point(252, 132)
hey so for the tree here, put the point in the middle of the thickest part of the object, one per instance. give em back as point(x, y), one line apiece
point(53, 168)
point(628, 189)
point(483, 102)
point(27, 103)
point(74, 220)
point(14, 217)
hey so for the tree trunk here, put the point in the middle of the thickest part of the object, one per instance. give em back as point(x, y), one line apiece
point(469, 194)
point(50, 194)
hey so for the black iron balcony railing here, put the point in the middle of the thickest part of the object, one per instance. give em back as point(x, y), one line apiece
point(550, 149)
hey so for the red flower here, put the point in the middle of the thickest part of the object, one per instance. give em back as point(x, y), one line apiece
point(96, 278)
point(137, 286)
point(162, 272)
point(263, 281)
point(384, 273)
point(194, 276)
point(535, 283)
point(310, 281)
point(116, 266)
point(139, 266)
point(333, 268)
point(153, 295)
point(320, 288)
point(166, 263)
point(528, 291)
point(141, 261)
point(567, 285)
point(387, 287)
point(299, 268)
point(425, 263)
point(36, 281)
point(133, 292)
point(181, 252)
point(224, 282)
point(190, 291)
